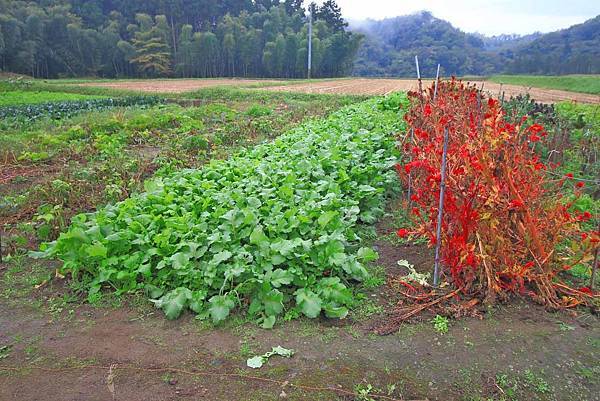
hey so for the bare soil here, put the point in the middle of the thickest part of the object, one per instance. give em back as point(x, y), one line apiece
point(175, 85)
point(366, 86)
point(63, 349)
point(347, 86)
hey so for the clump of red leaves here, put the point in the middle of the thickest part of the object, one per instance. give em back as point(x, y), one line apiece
point(503, 214)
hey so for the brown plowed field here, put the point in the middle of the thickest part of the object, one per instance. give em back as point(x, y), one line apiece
point(366, 86)
point(175, 85)
point(350, 86)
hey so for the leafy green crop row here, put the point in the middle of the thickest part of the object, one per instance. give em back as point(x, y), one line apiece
point(64, 109)
point(271, 227)
point(17, 97)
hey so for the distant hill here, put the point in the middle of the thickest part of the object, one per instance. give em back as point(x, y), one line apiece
point(507, 41)
point(390, 45)
point(575, 50)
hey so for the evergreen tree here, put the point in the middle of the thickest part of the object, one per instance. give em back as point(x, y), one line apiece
point(331, 13)
point(152, 53)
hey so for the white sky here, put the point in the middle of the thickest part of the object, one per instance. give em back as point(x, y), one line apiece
point(490, 17)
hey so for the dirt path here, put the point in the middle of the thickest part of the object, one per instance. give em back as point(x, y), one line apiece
point(61, 350)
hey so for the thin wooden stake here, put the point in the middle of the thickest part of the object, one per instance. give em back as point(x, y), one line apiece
point(419, 77)
point(595, 266)
point(594, 269)
point(438, 241)
point(479, 112)
point(437, 78)
point(0, 245)
point(409, 192)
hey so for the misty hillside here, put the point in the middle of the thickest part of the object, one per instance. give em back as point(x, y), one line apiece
point(575, 50)
point(389, 47)
point(507, 41)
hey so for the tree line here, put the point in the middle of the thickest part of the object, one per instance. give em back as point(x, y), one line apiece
point(179, 38)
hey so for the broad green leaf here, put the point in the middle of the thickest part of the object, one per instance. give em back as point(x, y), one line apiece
point(284, 247)
point(221, 257)
point(96, 250)
point(258, 237)
point(355, 269)
point(338, 312)
point(273, 302)
point(309, 302)
point(255, 307)
point(173, 302)
point(280, 277)
point(153, 291)
point(179, 260)
point(220, 306)
point(367, 255)
point(277, 259)
point(269, 322)
point(197, 301)
point(326, 217)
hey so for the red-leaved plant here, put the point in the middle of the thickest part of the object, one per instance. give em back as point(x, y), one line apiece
point(504, 216)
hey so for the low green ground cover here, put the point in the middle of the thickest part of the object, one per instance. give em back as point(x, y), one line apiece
point(54, 169)
point(575, 83)
point(16, 97)
point(26, 113)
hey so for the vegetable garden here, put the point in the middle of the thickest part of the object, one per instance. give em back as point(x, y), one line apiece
point(261, 229)
point(269, 224)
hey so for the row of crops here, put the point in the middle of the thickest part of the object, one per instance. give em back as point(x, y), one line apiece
point(57, 110)
point(10, 97)
point(273, 228)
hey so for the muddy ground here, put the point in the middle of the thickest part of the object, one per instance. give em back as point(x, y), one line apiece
point(56, 347)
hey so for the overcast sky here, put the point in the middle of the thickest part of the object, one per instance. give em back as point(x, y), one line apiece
point(490, 17)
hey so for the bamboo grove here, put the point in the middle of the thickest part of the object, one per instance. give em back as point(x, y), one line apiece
point(172, 38)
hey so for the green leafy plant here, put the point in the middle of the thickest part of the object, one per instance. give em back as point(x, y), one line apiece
point(34, 156)
point(269, 227)
point(364, 392)
point(63, 109)
point(538, 383)
point(5, 351)
point(258, 110)
point(440, 324)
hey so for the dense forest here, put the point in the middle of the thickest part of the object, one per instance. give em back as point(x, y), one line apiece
point(390, 45)
point(575, 50)
point(181, 38)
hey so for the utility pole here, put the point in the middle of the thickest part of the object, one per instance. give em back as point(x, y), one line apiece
point(309, 41)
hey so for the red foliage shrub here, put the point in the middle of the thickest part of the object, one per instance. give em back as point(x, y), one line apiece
point(504, 216)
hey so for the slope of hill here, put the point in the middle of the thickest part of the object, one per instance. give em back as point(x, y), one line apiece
point(390, 45)
point(575, 50)
point(507, 41)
